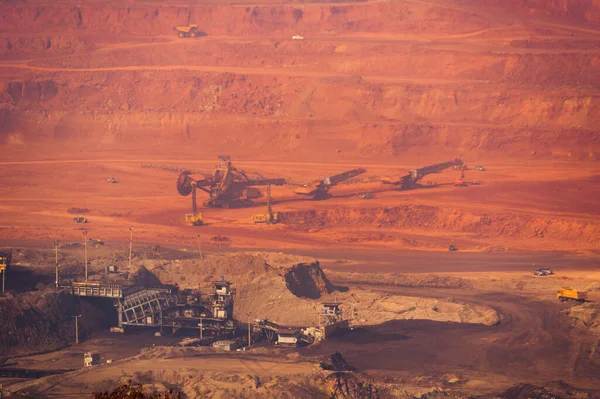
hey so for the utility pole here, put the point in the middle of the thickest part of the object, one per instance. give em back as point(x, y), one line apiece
point(201, 327)
point(76, 328)
point(249, 337)
point(55, 243)
point(86, 261)
point(199, 249)
point(130, 244)
point(3, 273)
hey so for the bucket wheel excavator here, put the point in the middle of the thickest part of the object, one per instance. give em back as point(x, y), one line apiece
point(319, 189)
point(411, 180)
point(227, 187)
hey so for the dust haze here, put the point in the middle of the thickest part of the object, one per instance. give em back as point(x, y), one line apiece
point(285, 199)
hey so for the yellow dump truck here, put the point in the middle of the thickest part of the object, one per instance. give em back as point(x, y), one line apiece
point(194, 219)
point(186, 30)
point(571, 295)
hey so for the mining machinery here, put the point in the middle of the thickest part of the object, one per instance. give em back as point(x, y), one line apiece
point(319, 189)
point(227, 187)
point(460, 182)
point(166, 306)
point(186, 30)
point(270, 217)
point(411, 180)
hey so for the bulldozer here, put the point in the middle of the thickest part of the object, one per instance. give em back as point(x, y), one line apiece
point(187, 30)
point(270, 217)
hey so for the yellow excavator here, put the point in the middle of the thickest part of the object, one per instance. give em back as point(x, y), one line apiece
point(270, 217)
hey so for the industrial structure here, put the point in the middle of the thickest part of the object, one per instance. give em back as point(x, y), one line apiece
point(166, 307)
point(227, 187)
point(411, 180)
point(329, 320)
point(319, 189)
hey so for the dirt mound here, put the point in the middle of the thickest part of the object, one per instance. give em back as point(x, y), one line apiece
point(587, 315)
point(144, 278)
point(308, 281)
point(346, 382)
point(507, 226)
point(42, 320)
point(552, 390)
point(370, 308)
point(401, 280)
point(267, 285)
point(128, 391)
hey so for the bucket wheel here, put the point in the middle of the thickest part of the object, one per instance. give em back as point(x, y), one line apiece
point(185, 184)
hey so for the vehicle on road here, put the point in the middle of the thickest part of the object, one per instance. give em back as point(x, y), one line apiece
point(80, 219)
point(111, 180)
point(543, 271)
point(298, 37)
point(368, 196)
point(479, 168)
point(571, 295)
point(452, 248)
point(187, 30)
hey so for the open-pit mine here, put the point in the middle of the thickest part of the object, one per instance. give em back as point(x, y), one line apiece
point(300, 199)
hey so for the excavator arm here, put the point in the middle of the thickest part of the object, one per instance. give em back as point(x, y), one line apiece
point(333, 180)
point(422, 172)
point(410, 180)
point(261, 182)
point(320, 188)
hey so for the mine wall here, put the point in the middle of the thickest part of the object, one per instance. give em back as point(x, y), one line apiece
point(582, 232)
point(43, 320)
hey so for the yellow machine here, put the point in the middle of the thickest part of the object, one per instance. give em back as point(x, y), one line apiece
point(270, 217)
point(194, 219)
point(4, 261)
point(571, 294)
point(187, 30)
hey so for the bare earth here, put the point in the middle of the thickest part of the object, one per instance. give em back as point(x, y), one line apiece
point(93, 90)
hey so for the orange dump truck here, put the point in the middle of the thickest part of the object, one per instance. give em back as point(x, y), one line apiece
point(571, 294)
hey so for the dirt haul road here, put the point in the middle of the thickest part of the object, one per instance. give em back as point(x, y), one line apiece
point(533, 343)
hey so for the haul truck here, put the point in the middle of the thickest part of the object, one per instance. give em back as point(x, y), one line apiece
point(571, 294)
